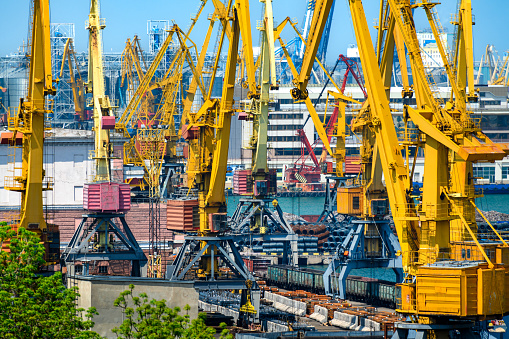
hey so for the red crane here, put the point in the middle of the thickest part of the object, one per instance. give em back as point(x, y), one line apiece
point(300, 172)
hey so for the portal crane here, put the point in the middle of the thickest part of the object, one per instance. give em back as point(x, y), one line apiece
point(370, 241)
point(152, 133)
point(442, 225)
point(104, 199)
point(30, 123)
point(259, 217)
point(300, 172)
point(210, 126)
point(133, 70)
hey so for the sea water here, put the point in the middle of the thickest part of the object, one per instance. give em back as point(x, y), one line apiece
point(314, 206)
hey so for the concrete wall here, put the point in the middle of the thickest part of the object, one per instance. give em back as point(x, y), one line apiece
point(101, 292)
point(206, 307)
point(286, 304)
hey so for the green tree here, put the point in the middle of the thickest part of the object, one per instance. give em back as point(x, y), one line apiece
point(154, 319)
point(33, 306)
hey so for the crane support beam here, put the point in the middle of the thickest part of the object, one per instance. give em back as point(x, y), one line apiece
point(242, 7)
point(215, 193)
point(266, 79)
point(320, 16)
point(76, 83)
point(394, 169)
point(102, 105)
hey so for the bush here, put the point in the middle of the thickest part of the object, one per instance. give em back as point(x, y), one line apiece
point(33, 306)
point(154, 319)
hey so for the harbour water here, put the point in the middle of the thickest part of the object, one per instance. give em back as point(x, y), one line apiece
point(314, 205)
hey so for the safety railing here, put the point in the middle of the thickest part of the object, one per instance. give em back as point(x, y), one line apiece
point(405, 211)
point(432, 211)
point(410, 135)
point(10, 183)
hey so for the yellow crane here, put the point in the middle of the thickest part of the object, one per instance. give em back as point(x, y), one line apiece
point(370, 241)
point(151, 132)
point(438, 235)
point(30, 123)
point(210, 128)
point(133, 70)
point(104, 200)
point(503, 75)
point(77, 85)
point(260, 217)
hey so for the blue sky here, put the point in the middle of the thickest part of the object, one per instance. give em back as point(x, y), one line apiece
point(126, 18)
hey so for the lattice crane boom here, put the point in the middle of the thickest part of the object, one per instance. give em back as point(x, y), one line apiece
point(77, 85)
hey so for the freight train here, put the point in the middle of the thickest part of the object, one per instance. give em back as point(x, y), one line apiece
point(367, 290)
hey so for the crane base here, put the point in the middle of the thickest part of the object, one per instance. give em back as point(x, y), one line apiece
point(92, 241)
point(463, 329)
point(217, 251)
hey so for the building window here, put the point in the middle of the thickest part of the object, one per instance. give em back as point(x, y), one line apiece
point(284, 127)
point(283, 138)
point(286, 116)
point(485, 172)
point(505, 172)
point(103, 269)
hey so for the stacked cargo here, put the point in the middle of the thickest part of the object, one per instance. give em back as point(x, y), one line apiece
point(182, 215)
point(337, 233)
point(324, 309)
point(242, 182)
point(276, 247)
point(308, 244)
point(307, 235)
point(364, 319)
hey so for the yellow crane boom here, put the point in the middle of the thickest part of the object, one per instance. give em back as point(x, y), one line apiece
point(78, 89)
point(30, 122)
point(103, 110)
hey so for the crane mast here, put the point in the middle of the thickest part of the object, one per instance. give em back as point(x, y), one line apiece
point(102, 113)
point(209, 129)
point(30, 122)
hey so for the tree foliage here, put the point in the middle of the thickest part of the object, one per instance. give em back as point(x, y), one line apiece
point(33, 306)
point(154, 319)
